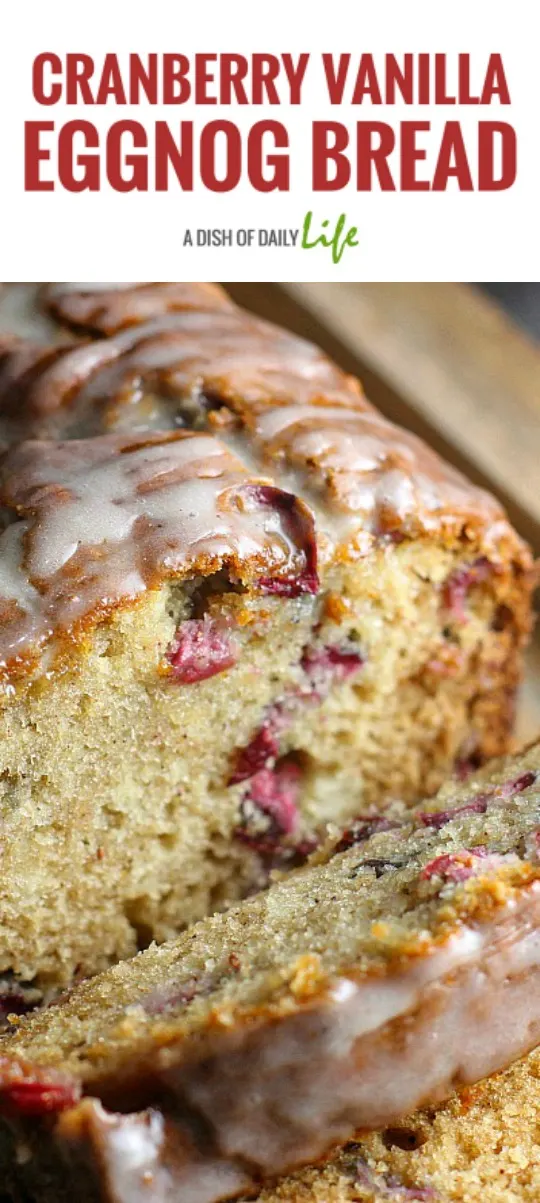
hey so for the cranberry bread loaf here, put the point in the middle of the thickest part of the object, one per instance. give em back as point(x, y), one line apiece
point(483, 1146)
point(235, 604)
point(403, 961)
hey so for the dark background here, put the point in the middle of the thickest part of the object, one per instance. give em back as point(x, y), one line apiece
point(521, 301)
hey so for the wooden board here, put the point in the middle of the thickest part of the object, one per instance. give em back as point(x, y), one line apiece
point(528, 717)
point(446, 362)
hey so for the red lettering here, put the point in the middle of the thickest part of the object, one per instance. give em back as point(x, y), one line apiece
point(204, 78)
point(423, 79)
point(79, 70)
point(495, 82)
point(265, 71)
point(137, 180)
point(488, 181)
point(464, 77)
point(67, 158)
point(34, 154)
point(295, 75)
point(233, 156)
point(399, 79)
point(441, 95)
point(180, 157)
point(336, 79)
point(111, 83)
point(279, 179)
point(176, 85)
point(411, 154)
point(53, 93)
point(326, 153)
point(370, 156)
point(367, 83)
point(233, 69)
point(452, 160)
point(143, 79)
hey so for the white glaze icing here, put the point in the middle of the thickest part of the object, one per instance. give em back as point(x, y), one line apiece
point(274, 421)
point(284, 1095)
point(296, 409)
point(21, 314)
point(14, 583)
point(276, 1099)
point(104, 519)
point(145, 1159)
point(107, 308)
point(379, 475)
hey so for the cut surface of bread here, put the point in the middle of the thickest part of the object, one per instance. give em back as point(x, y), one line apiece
point(236, 604)
point(403, 961)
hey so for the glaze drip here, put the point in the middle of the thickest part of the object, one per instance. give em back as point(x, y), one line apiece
point(96, 522)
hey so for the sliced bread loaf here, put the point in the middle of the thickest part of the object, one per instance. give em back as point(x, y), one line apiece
point(402, 962)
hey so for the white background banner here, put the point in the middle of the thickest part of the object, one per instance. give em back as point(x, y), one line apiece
point(437, 231)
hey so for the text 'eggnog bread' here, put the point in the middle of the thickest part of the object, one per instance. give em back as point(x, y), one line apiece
point(402, 962)
point(235, 604)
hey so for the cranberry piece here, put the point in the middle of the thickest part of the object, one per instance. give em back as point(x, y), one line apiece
point(298, 526)
point(275, 792)
point(454, 866)
point(251, 759)
point(440, 818)
point(517, 785)
point(265, 843)
point(465, 765)
point(263, 747)
point(331, 662)
point(40, 1098)
point(460, 582)
point(362, 828)
point(299, 853)
point(269, 810)
point(16, 999)
point(479, 805)
point(306, 582)
point(29, 1094)
point(323, 666)
point(201, 648)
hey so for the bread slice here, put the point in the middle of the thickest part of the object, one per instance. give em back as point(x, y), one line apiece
point(483, 1146)
point(235, 604)
point(403, 962)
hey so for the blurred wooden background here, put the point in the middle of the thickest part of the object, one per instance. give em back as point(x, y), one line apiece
point(450, 363)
